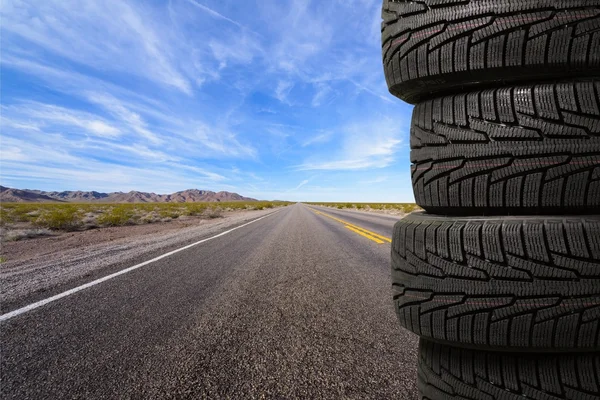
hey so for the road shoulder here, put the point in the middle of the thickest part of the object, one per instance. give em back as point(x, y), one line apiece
point(36, 268)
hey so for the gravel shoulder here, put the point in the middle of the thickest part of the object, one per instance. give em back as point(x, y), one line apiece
point(32, 268)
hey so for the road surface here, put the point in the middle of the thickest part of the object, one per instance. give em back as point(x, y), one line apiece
point(295, 305)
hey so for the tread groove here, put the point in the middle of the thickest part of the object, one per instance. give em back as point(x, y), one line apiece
point(446, 372)
point(488, 33)
point(538, 164)
point(520, 274)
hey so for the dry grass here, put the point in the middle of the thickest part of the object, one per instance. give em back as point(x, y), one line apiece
point(20, 234)
point(23, 219)
point(401, 207)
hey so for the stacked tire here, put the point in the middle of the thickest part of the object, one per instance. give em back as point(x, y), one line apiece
point(500, 275)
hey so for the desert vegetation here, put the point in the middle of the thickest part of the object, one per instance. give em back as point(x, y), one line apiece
point(25, 220)
point(390, 207)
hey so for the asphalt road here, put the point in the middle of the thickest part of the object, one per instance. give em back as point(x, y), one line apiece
point(296, 305)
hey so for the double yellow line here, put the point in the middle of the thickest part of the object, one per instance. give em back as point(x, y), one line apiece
point(357, 229)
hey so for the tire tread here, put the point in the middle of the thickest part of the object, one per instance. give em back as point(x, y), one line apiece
point(446, 373)
point(525, 149)
point(431, 46)
point(535, 281)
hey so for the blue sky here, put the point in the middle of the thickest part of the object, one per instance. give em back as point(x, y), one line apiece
point(274, 99)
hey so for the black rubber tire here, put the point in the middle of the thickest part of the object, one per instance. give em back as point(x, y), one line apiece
point(433, 47)
point(501, 283)
point(450, 373)
point(524, 150)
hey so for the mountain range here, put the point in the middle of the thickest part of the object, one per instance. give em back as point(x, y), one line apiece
point(187, 196)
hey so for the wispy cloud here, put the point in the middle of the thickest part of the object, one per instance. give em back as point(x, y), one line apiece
point(241, 49)
point(317, 139)
point(321, 95)
point(65, 167)
point(368, 144)
point(304, 182)
point(44, 114)
point(214, 13)
point(283, 90)
point(222, 141)
point(188, 93)
point(79, 31)
point(118, 110)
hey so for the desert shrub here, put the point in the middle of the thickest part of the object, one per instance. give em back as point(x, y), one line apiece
point(118, 215)
point(5, 216)
point(24, 212)
point(169, 213)
point(149, 218)
point(408, 208)
point(170, 210)
point(213, 212)
point(193, 209)
point(60, 217)
point(16, 235)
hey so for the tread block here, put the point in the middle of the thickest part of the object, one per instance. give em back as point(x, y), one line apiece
point(432, 46)
point(446, 372)
point(521, 150)
point(530, 282)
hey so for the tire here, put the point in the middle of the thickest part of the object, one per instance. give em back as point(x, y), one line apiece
point(449, 373)
point(433, 47)
point(499, 283)
point(531, 149)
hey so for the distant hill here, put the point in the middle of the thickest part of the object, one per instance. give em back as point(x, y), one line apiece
point(73, 196)
point(186, 196)
point(9, 195)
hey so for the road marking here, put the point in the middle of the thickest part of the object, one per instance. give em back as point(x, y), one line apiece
point(361, 231)
point(378, 241)
point(41, 303)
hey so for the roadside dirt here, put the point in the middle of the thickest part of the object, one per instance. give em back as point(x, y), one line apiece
point(48, 245)
point(39, 264)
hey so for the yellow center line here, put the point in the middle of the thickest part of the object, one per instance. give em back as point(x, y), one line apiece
point(378, 241)
point(357, 229)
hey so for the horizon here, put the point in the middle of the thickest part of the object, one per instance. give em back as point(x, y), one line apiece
point(265, 99)
point(207, 190)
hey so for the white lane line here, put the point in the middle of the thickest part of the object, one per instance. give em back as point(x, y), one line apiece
point(41, 303)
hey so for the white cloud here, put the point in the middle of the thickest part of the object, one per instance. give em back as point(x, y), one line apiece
point(318, 139)
point(322, 92)
point(214, 13)
point(283, 90)
point(304, 182)
point(63, 168)
point(367, 144)
point(132, 119)
point(110, 35)
point(44, 114)
point(192, 92)
point(241, 49)
point(385, 98)
point(72, 83)
point(220, 141)
point(12, 153)
point(20, 125)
